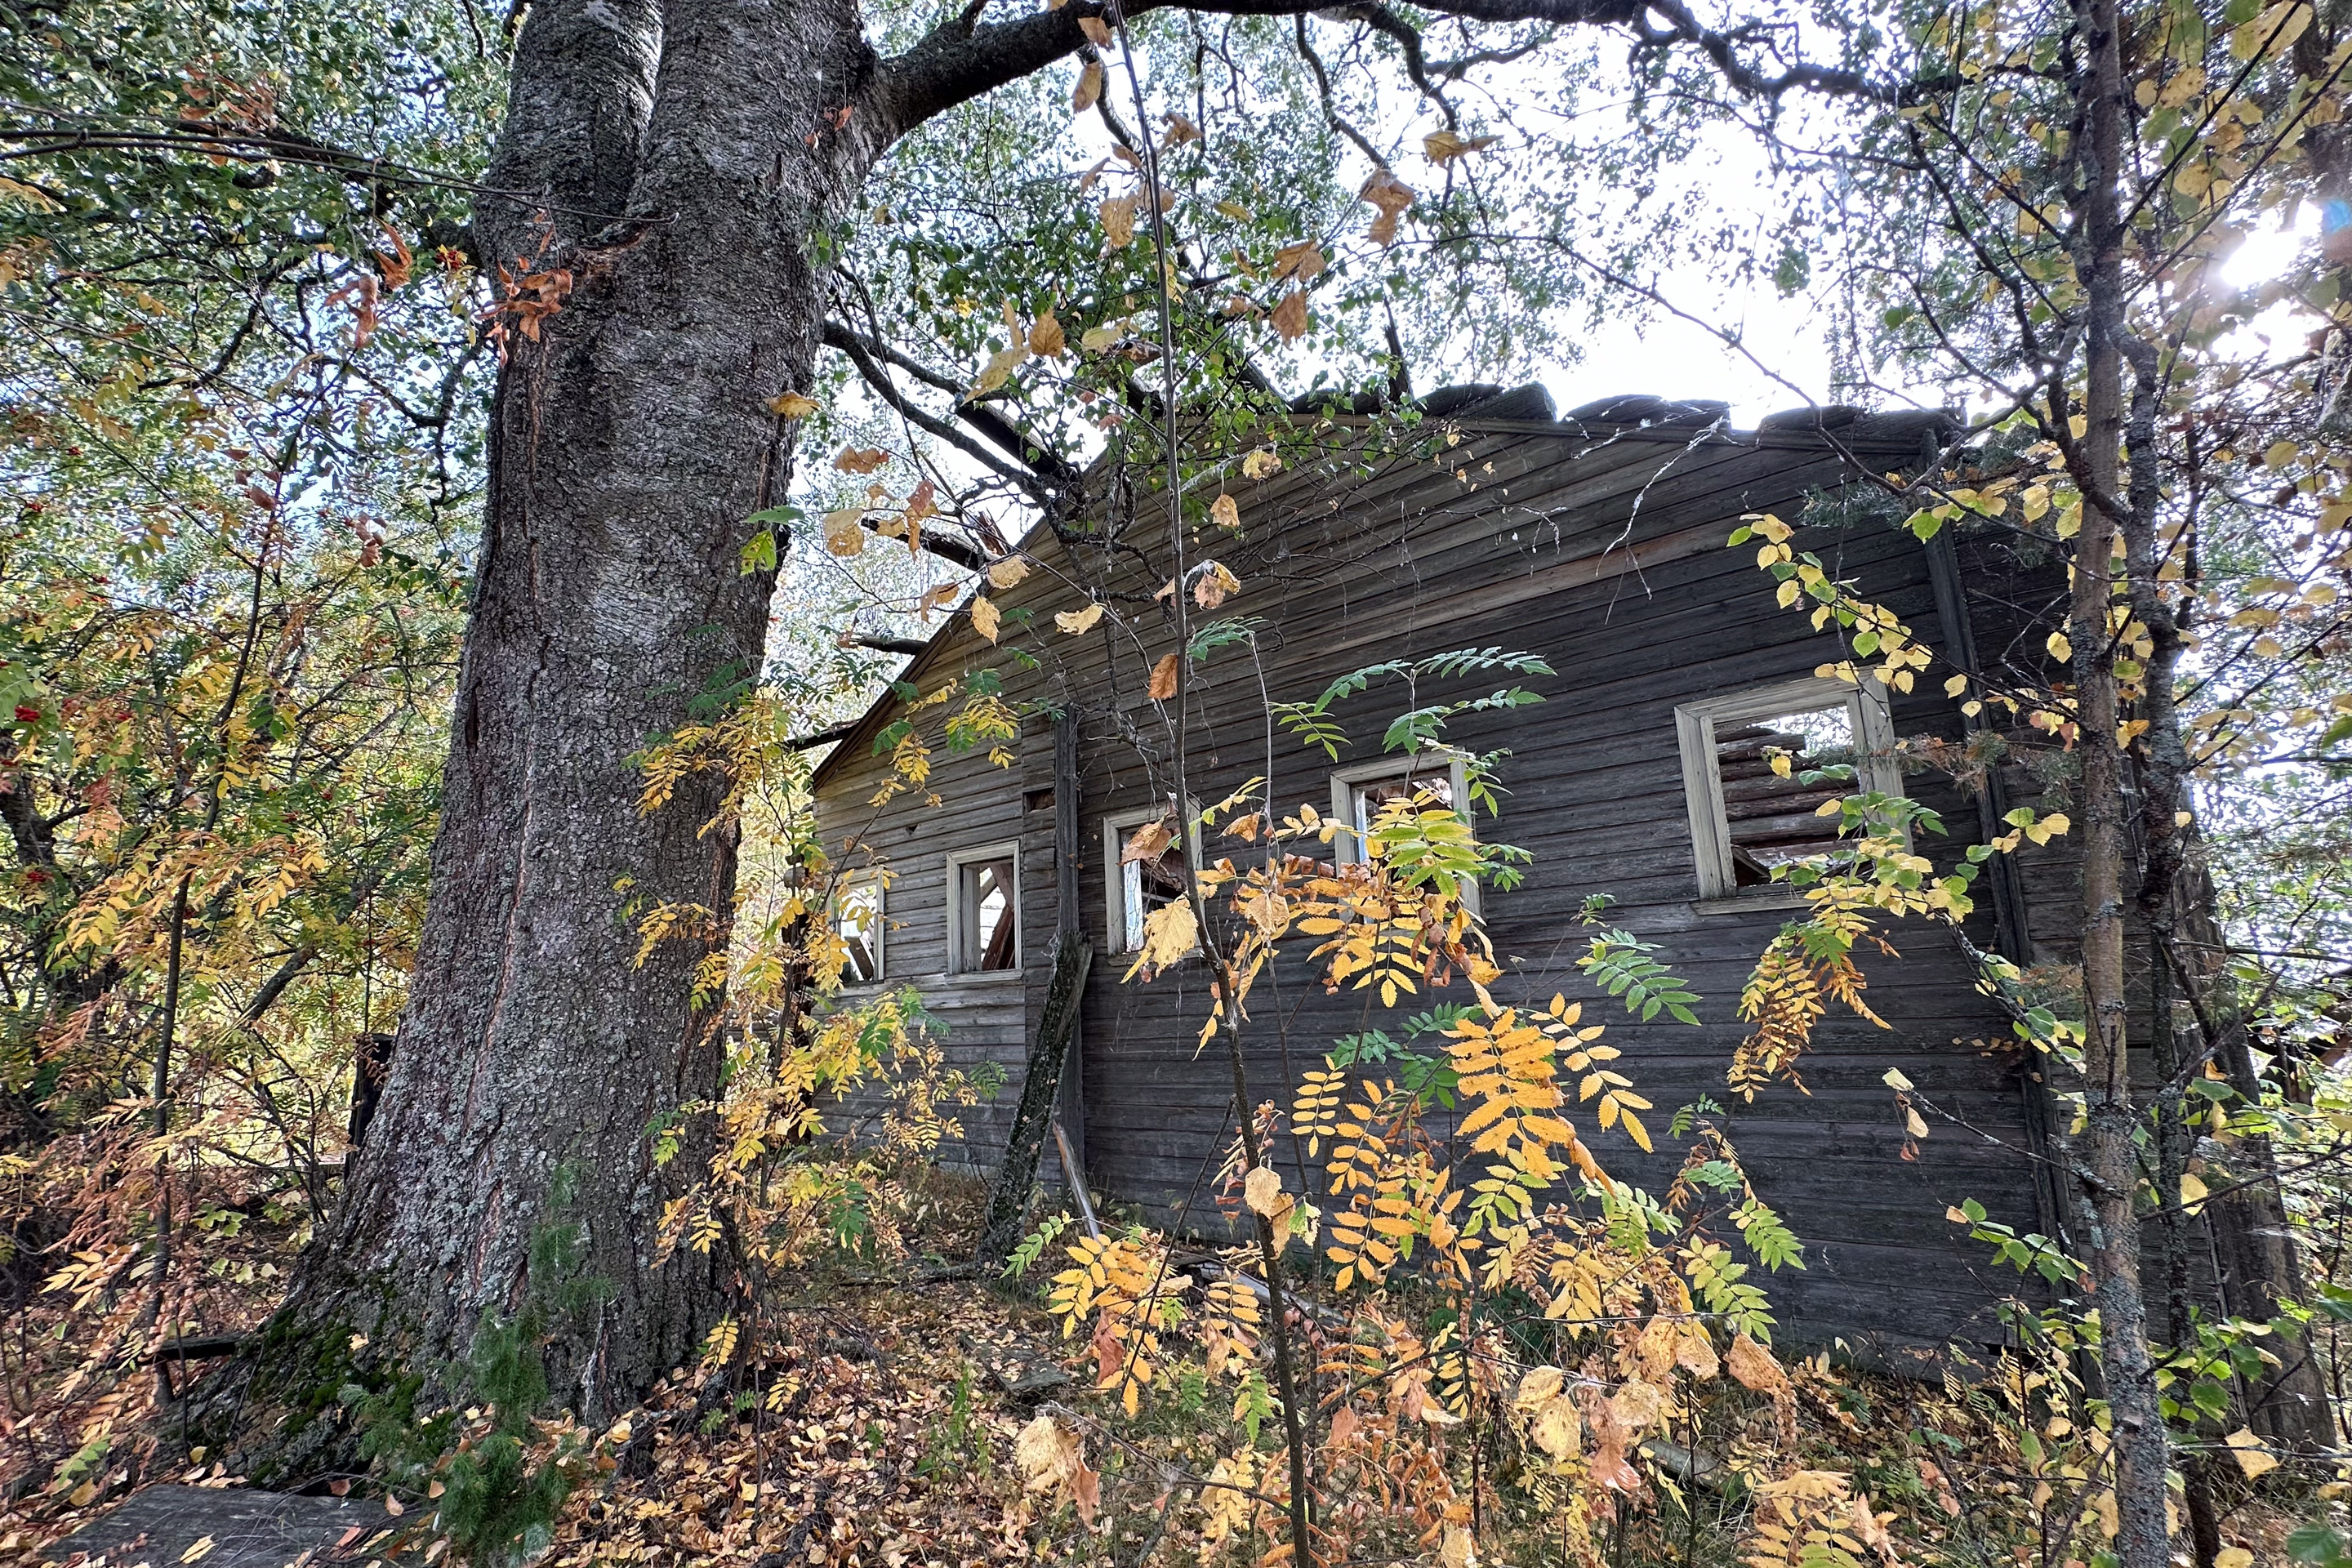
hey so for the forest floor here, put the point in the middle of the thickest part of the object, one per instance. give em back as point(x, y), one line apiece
point(875, 1424)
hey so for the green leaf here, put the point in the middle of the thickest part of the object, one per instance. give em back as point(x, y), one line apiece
point(2318, 1542)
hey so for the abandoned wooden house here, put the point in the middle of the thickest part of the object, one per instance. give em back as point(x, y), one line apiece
point(1597, 542)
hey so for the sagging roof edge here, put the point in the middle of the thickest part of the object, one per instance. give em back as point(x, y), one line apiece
point(1899, 434)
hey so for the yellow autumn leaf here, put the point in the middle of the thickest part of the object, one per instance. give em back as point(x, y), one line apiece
point(1096, 30)
point(1225, 513)
point(2252, 1457)
point(1753, 1366)
point(1290, 316)
point(1262, 461)
point(984, 618)
point(1168, 933)
point(1262, 1189)
point(1914, 1123)
point(1539, 1388)
point(203, 1547)
point(2060, 648)
point(1304, 260)
point(1556, 1430)
point(1210, 590)
point(1078, 621)
point(2233, 1557)
point(792, 405)
point(1090, 84)
point(2192, 1191)
point(1163, 680)
point(1391, 197)
point(1045, 336)
point(1000, 368)
point(844, 532)
point(1119, 221)
point(1444, 146)
point(1004, 574)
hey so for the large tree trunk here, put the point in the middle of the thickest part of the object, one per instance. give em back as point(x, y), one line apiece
point(685, 159)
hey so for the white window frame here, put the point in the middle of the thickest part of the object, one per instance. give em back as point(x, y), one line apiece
point(1116, 831)
point(1347, 844)
point(1010, 849)
point(878, 937)
point(1695, 724)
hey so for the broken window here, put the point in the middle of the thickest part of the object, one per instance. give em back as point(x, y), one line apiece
point(1437, 776)
point(1147, 867)
point(857, 923)
point(984, 912)
point(1745, 758)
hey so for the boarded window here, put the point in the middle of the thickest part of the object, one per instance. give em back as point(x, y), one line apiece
point(1773, 819)
point(988, 912)
point(1746, 816)
point(857, 922)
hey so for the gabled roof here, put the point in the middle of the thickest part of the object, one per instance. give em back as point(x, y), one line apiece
point(1488, 409)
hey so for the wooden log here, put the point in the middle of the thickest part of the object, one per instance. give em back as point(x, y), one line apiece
point(1008, 1195)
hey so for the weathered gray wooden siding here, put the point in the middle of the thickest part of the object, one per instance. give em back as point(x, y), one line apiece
point(1607, 558)
point(979, 803)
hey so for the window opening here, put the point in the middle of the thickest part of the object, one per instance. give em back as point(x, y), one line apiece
point(857, 922)
point(988, 903)
point(1151, 868)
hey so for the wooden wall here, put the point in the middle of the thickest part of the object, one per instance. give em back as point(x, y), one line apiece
point(1604, 552)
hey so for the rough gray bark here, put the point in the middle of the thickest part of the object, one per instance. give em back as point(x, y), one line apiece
point(686, 155)
point(677, 160)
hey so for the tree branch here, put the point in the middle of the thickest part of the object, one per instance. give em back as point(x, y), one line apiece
point(957, 62)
